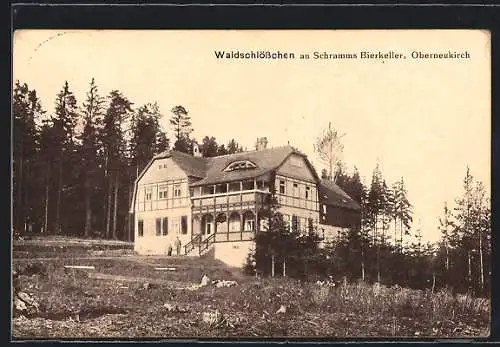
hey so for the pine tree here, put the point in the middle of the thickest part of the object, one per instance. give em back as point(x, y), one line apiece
point(26, 108)
point(233, 147)
point(387, 209)
point(465, 222)
point(181, 122)
point(118, 112)
point(445, 227)
point(480, 226)
point(402, 210)
point(93, 109)
point(210, 147)
point(221, 150)
point(64, 121)
point(46, 157)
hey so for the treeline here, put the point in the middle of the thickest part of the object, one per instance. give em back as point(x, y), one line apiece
point(387, 248)
point(74, 167)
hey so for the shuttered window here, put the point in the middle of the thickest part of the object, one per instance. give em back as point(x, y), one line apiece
point(140, 228)
point(184, 225)
point(158, 226)
point(165, 226)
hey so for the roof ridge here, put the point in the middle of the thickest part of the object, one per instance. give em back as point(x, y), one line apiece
point(252, 151)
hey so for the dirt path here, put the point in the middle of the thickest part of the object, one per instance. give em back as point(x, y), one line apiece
point(115, 257)
point(70, 242)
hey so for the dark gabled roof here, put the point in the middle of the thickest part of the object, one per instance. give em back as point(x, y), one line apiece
point(192, 166)
point(211, 170)
point(332, 194)
point(266, 160)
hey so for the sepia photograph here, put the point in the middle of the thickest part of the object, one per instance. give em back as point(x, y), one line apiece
point(251, 184)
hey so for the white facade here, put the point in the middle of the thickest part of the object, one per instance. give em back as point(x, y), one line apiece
point(162, 209)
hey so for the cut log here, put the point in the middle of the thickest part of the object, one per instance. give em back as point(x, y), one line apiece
point(118, 278)
point(79, 267)
point(166, 268)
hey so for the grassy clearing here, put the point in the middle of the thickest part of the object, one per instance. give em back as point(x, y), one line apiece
point(72, 305)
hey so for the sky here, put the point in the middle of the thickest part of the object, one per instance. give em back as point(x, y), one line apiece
point(421, 119)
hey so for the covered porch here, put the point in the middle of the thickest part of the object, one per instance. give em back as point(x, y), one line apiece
point(228, 226)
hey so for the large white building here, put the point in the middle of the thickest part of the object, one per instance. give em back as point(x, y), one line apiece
point(217, 204)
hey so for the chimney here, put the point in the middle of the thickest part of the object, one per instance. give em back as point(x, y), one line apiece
point(261, 143)
point(196, 150)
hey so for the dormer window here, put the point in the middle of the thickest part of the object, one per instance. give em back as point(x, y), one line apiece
point(240, 165)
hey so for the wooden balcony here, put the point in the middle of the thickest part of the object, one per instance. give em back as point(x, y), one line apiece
point(231, 201)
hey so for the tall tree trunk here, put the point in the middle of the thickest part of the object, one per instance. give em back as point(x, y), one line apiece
point(19, 195)
point(481, 261)
point(47, 181)
point(362, 263)
point(59, 197)
point(27, 217)
point(115, 209)
point(401, 234)
point(129, 215)
point(396, 233)
point(447, 264)
point(378, 249)
point(108, 216)
point(88, 208)
point(469, 272)
point(104, 224)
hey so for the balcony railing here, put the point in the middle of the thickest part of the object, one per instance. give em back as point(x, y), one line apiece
point(229, 200)
point(195, 242)
point(205, 244)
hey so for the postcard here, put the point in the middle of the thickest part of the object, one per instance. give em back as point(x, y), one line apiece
point(251, 183)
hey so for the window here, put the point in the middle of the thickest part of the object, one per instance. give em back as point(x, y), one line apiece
point(175, 225)
point(149, 193)
point(221, 188)
point(160, 167)
point(248, 185)
point(282, 187)
point(140, 228)
point(191, 191)
point(177, 190)
point(234, 186)
point(295, 223)
point(207, 190)
point(240, 165)
point(295, 190)
point(308, 193)
point(165, 226)
point(184, 225)
point(162, 191)
point(324, 208)
point(208, 228)
point(158, 226)
point(249, 225)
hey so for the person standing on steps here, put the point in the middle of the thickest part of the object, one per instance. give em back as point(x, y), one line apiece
point(169, 250)
point(178, 245)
